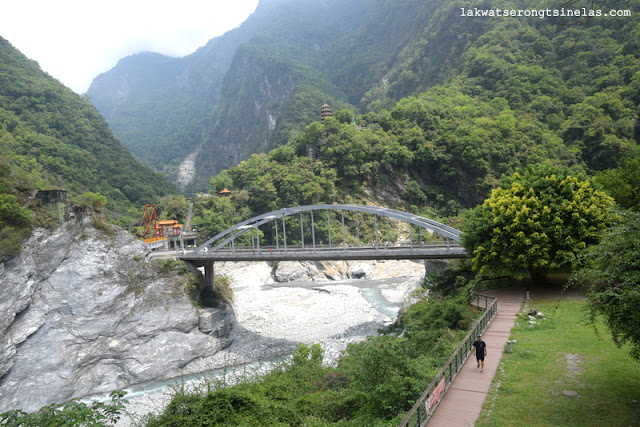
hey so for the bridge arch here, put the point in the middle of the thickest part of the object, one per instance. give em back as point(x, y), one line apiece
point(229, 235)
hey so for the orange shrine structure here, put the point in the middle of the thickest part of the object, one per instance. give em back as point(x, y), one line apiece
point(167, 234)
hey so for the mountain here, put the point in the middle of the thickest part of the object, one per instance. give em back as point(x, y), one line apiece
point(161, 108)
point(51, 138)
point(574, 76)
point(264, 81)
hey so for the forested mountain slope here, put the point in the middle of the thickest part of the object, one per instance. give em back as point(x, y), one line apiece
point(50, 138)
point(162, 108)
point(524, 92)
point(569, 82)
point(272, 75)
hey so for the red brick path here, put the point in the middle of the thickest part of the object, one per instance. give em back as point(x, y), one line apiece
point(462, 404)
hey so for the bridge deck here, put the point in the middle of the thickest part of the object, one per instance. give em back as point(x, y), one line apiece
point(327, 254)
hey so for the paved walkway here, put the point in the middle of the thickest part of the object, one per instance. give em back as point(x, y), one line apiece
point(462, 404)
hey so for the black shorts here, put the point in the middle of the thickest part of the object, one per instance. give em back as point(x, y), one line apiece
point(480, 357)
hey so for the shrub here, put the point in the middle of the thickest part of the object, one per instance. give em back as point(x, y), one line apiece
point(73, 413)
point(90, 202)
point(384, 377)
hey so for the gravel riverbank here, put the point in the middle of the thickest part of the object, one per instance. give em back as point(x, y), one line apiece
point(274, 317)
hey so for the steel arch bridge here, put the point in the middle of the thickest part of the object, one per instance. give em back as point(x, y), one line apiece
point(441, 240)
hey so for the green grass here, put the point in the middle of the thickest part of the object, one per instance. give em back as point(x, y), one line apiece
point(563, 353)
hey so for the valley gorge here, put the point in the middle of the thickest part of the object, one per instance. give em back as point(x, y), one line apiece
point(432, 114)
point(251, 89)
point(84, 313)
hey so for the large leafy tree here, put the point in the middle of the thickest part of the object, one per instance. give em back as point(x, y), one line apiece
point(613, 273)
point(537, 220)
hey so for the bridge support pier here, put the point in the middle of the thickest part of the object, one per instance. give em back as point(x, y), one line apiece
point(209, 278)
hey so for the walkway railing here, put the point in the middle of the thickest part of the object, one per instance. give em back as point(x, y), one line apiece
point(431, 397)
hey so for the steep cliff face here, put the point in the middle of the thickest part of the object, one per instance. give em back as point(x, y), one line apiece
point(253, 101)
point(83, 313)
point(157, 106)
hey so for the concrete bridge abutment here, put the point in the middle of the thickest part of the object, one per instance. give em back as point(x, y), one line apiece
point(206, 268)
point(209, 282)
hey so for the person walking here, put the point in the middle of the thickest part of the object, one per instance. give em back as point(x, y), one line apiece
point(480, 348)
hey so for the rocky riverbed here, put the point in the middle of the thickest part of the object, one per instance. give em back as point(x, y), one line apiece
point(332, 310)
point(318, 303)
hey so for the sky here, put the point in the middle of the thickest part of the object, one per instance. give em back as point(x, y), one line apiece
point(76, 40)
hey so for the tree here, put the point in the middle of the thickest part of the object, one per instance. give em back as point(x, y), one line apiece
point(613, 276)
point(537, 220)
point(414, 194)
point(344, 116)
point(91, 201)
point(175, 207)
point(12, 214)
point(220, 182)
point(384, 378)
point(623, 183)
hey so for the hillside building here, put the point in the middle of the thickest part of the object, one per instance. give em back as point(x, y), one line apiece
point(55, 203)
point(176, 237)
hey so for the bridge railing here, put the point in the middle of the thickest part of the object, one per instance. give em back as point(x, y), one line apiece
point(424, 408)
point(336, 246)
point(337, 211)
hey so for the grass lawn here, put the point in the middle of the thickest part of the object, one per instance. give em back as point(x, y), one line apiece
point(563, 354)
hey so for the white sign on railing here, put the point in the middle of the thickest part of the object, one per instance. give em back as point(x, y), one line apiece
point(435, 396)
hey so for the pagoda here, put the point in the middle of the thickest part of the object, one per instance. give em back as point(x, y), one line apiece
point(325, 112)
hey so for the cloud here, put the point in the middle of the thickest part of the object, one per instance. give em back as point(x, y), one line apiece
point(75, 40)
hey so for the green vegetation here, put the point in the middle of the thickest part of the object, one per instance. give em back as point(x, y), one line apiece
point(534, 222)
point(612, 275)
point(72, 414)
point(50, 138)
point(457, 111)
point(15, 224)
point(623, 182)
point(90, 201)
point(564, 88)
point(374, 382)
point(508, 94)
point(562, 353)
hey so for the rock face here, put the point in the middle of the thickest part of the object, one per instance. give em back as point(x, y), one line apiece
point(246, 125)
point(289, 271)
point(82, 313)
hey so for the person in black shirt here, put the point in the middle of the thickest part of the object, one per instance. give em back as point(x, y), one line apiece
point(480, 348)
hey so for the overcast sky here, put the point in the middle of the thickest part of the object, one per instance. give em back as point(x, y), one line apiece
point(75, 40)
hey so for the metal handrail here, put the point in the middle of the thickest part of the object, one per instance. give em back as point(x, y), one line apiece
point(426, 405)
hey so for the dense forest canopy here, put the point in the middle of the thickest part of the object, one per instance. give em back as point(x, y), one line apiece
point(464, 102)
point(573, 79)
